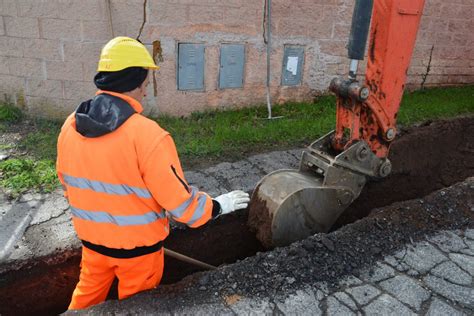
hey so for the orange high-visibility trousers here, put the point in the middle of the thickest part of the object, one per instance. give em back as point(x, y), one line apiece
point(98, 272)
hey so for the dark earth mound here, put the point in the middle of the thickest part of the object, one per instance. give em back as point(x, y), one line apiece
point(424, 159)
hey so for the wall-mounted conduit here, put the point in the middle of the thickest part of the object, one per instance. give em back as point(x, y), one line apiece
point(109, 12)
point(267, 38)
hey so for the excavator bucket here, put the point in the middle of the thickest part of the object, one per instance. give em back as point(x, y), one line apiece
point(289, 205)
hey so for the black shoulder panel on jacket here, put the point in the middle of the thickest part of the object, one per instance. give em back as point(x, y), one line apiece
point(102, 115)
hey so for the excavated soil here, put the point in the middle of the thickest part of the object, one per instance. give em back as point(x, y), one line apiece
point(43, 290)
point(425, 158)
point(224, 240)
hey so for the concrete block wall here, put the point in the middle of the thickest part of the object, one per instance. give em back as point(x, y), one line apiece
point(49, 48)
point(448, 26)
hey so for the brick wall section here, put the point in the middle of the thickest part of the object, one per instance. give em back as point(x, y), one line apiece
point(49, 48)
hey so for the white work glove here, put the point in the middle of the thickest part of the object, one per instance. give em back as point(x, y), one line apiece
point(232, 201)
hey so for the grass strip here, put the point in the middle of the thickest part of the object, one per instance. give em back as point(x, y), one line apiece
point(235, 133)
point(226, 134)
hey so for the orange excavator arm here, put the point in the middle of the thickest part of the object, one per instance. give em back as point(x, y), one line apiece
point(289, 205)
point(372, 116)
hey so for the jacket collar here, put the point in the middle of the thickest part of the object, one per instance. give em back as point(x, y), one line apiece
point(133, 103)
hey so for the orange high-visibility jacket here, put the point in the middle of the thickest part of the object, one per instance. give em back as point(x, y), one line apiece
point(123, 177)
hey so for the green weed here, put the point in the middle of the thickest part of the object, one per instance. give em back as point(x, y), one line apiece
point(6, 146)
point(42, 142)
point(20, 175)
point(10, 113)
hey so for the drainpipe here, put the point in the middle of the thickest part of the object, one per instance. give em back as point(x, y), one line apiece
point(269, 51)
point(269, 47)
point(109, 12)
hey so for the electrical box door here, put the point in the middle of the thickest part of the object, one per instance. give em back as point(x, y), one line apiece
point(231, 74)
point(191, 67)
point(292, 65)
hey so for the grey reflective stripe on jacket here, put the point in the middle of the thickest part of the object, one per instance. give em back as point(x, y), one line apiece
point(120, 220)
point(199, 211)
point(180, 210)
point(104, 187)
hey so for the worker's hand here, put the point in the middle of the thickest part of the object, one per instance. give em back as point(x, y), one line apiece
point(232, 201)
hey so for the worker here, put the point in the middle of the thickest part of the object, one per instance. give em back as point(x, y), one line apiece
point(123, 179)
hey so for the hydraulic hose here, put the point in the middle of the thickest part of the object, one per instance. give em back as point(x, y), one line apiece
point(359, 32)
point(360, 29)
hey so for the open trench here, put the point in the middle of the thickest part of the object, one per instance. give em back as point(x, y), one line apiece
point(425, 158)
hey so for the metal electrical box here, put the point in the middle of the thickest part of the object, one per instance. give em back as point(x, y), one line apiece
point(231, 74)
point(191, 67)
point(293, 58)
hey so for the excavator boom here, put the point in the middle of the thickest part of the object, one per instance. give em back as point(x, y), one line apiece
point(392, 39)
point(289, 205)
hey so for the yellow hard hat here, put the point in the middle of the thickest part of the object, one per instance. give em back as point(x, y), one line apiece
point(123, 52)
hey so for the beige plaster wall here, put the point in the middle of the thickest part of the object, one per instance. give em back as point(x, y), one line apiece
point(49, 48)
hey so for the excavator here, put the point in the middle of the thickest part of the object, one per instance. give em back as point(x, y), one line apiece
point(292, 204)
